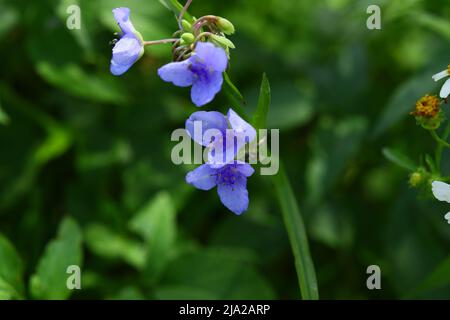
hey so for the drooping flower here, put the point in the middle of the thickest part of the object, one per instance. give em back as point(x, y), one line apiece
point(130, 46)
point(231, 182)
point(232, 134)
point(445, 90)
point(441, 191)
point(203, 71)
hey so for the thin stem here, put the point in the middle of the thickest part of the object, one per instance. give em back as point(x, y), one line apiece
point(440, 147)
point(162, 41)
point(182, 12)
point(203, 34)
point(439, 140)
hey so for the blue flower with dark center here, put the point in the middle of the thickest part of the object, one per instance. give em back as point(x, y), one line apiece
point(203, 71)
point(129, 48)
point(231, 182)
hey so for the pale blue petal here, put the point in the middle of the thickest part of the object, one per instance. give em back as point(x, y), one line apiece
point(209, 120)
point(122, 16)
point(125, 53)
point(203, 177)
point(205, 89)
point(213, 57)
point(234, 196)
point(244, 168)
point(177, 72)
point(240, 126)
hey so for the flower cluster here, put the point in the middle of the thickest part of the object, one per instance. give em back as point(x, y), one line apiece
point(200, 57)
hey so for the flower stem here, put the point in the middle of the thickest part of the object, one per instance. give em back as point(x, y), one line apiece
point(162, 41)
point(439, 140)
point(440, 147)
point(182, 12)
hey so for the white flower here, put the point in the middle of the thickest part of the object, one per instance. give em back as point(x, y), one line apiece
point(441, 191)
point(445, 90)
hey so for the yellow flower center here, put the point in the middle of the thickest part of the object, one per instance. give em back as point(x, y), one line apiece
point(427, 106)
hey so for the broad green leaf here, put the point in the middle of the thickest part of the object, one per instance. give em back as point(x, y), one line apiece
point(156, 224)
point(399, 159)
point(50, 278)
point(297, 236)
point(11, 271)
point(214, 273)
point(260, 117)
point(108, 244)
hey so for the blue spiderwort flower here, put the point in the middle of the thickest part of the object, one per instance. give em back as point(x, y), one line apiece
point(203, 71)
point(233, 133)
point(231, 182)
point(129, 48)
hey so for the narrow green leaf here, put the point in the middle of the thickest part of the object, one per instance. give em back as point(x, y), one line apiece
point(297, 236)
point(438, 278)
point(4, 119)
point(11, 271)
point(176, 7)
point(50, 278)
point(399, 159)
point(234, 96)
point(259, 120)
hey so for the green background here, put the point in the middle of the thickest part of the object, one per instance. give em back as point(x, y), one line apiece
point(86, 176)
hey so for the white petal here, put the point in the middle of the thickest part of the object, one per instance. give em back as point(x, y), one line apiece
point(445, 91)
point(447, 217)
point(441, 191)
point(440, 75)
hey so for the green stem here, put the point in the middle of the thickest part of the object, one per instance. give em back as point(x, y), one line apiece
point(439, 140)
point(297, 236)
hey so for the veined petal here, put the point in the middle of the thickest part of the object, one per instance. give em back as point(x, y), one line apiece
point(241, 126)
point(234, 196)
point(207, 120)
point(177, 72)
point(122, 16)
point(244, 168)
point(203, 177)
point(440, 75)
point(204, 89)
point(125, 53)
point(441, 191)
point(213, 57)
point(445, 90)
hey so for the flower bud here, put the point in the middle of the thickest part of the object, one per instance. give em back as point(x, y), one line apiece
point(188, 38)
point(225, 25)
point(224, 42)
point(186, 25)
point(416, 179)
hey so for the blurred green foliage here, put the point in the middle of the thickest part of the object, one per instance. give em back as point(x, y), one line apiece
point(86, 176)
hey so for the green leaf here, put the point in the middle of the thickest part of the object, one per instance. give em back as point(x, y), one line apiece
point(176, 7)
point(214, 273)
point(106, 243)
point(156, 224)
point(259, 120)
point(399, 159)
point(433, 22)
point(50, 278)
point(11, 271)
point(4, 119)
point(234, 96)
point(297, 236)
point(438, 278)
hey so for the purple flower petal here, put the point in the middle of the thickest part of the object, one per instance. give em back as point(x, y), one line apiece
point(213, 57)
point(122, 16)
point(244, 168)
point(125, 53)
point(224, 151)
point(177, 72)
point(240, 126)
point(204, 89)
point(203, 177)
point(208, 120)
point(234, 195)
